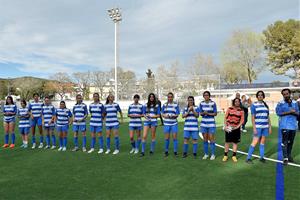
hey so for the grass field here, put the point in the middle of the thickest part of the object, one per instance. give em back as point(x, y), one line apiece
point(49, 174)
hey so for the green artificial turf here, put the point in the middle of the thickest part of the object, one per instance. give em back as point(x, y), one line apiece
point(49, 174)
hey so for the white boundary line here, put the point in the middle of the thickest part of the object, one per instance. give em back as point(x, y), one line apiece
point(256, 156)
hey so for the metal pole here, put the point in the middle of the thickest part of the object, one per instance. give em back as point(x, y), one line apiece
point(116, 60)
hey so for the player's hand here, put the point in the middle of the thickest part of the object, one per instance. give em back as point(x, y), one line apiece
point(270, 130)
point(255, 131)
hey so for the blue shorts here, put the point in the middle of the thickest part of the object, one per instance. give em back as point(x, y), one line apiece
point(96, 129)
point(10, 120)
point(77, 128)
point(193, 134)
point(112, 127)
point(36, 121)
point(64, 128)
point(150, 124)
point(171, 128)
point(24, 130)
point(262, 132)
point(210, 130)
point(135, 128)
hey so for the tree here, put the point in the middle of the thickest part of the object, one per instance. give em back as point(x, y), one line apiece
point(245, 49)
point(99, 80)
point(149, 84)
point(27, 86)
point(231, 74)
point(83, 82)
point(167, 77)
point(60, 84)
point(126, 83)
point(283, 45)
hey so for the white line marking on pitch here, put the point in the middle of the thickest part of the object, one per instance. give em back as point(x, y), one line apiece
point(256, 156)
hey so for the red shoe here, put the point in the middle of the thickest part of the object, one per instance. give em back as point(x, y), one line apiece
point(5, 146)
point(12, 146)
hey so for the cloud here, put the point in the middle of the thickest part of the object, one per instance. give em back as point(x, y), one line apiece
point(63, 35)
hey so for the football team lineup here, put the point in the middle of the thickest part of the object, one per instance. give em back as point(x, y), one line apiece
point(48, 118)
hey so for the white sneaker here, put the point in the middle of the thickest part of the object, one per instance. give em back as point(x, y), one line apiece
point(91, 150)
point(60, 148)
point(244, 131)
point(212, 157)
point(33, 146)
point(136, 151)
point(116, 152)
point(205, 157)
point(53, 147)
point(107, 151)
point(83, 149)
point(64, 149)
point(41, 145)
point(132, 151)
point(47, 147)
point(100, 151)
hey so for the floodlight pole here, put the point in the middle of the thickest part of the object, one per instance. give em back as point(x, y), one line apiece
point(115, 15)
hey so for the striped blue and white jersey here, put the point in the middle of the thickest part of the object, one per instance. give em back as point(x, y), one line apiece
point(191, 121)
point(111, 111)
point(9, 108)
point(48, 111)
point(210, 107)
point(136, 109)
point(63, 116)
point(24, 117)
point(96, 111)
point(79, 111)
point(151, 111)
point(261, 114)
point(36, 108)
point(170, 109)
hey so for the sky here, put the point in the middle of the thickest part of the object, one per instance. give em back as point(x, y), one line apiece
point(42, 37)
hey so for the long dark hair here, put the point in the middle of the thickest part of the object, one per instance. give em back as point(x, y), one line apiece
point(149, 103)
point(24, 102)
point(107, 98)
point(190, 97)
point(263, 94)
point(11, 99)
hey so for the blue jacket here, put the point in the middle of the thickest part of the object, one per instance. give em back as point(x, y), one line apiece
point(288, 122)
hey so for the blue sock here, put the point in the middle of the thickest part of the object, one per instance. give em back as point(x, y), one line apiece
point(117, 142)
point(152, 146)
point(60, 141)
point(13, 138)
point(195, 148)
point(6, 138)
point(261, 150)
point(108, 142)
point(53, 140)
point(65, 140)
point(76, 141)
point(101, 142)
point(143, 147)
point(33, 139)
point(132, 144)
point(41, 139)
point(167, 142)
point(205, 147)
point(250, 152)
point(212, 147)
point(138, 143)
point(175, 143)
point(84, 141)
point(185, 148)
point(93, 142)
point(48, 140)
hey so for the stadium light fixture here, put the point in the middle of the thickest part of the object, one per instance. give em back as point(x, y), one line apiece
point(116, 16)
